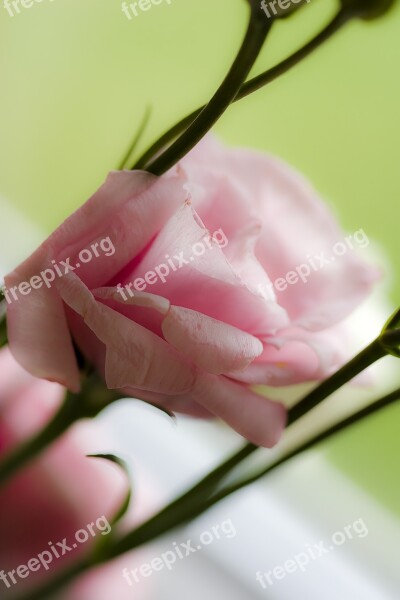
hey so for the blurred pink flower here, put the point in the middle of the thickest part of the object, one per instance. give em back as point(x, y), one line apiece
point(57, 495)
point(193, 340)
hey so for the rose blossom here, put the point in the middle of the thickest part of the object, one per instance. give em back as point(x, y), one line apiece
point(58, 494)
point(194, 342)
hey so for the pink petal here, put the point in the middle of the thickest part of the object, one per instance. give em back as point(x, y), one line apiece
point(208, 283)
point(38, 335)
point(180, 404)
point(212, 345)
point(294, 356)
point(143, 299)
point(255, 417)
point(296, 227)
point(134, 356)
point(129, 209)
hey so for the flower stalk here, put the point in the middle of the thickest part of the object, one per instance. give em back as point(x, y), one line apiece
point(163, 155)
point(86, 404)
point(252, 44)
point(251, 86)
point(204, 494)
point(152, 528)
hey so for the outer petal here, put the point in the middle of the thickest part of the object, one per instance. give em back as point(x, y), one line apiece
point(295, 355)
point(180, 404)
point(39, 338)
point(145, 309)
point(212, 345)
point(255, 417)
point(129, 209)
point(134, 356)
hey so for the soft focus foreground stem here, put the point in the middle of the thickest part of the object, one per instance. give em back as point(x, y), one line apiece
point(149, 531)
point(203, 495)
point(19, 457)
point(3, 320)
point(181, 509)
point(86, 404)
point(364, 359)
point(51, 588)
point(331, 431)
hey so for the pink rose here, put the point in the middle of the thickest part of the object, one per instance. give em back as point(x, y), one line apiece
point(202, 249)
point(59, 495)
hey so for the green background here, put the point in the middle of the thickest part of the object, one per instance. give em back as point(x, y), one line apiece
point(77, 77)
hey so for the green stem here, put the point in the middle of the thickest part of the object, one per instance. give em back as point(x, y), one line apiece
point(199, 498)
point(87, 403)
point(182, 508)
point(174, 513)
point(145, 533)
point(251, 86)
point(25, 453)
point(254, 39)
point(392, 322)
point(3, 332)
point(390, 339)
point(3, 319)
point(49, 589)
point(137, 138)
point(328, 433)
point(372, 353)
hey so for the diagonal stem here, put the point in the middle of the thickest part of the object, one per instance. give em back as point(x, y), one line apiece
point(136, 139)
point(371, 354)
point(140, 536)
point(22, 455)
point(251, 86)
point(182, 508)
point(202, 495)
point(328, 433)
point(85, 404)
point(252, 44)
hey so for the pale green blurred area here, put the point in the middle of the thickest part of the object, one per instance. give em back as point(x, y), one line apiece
point(77, 77)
